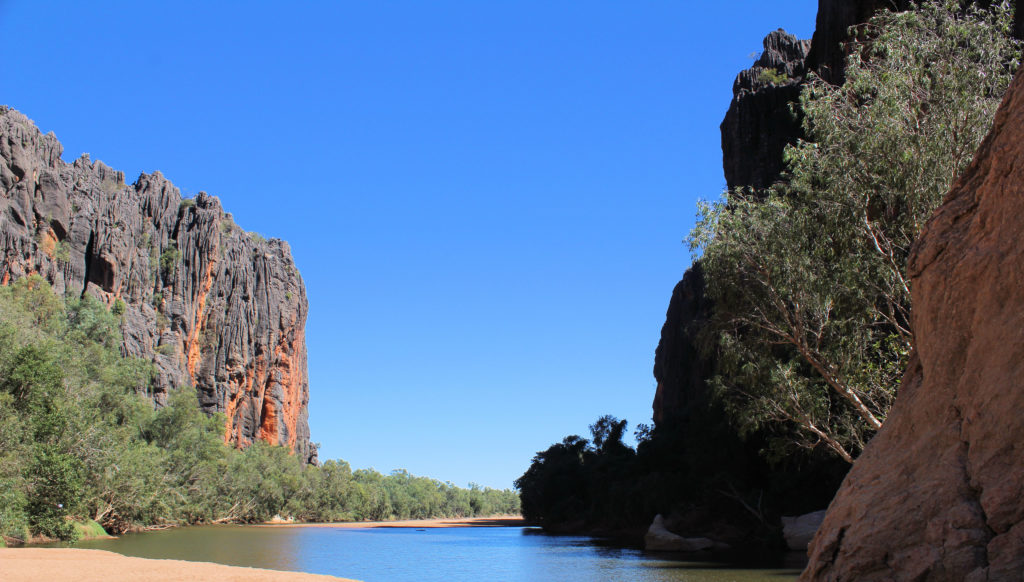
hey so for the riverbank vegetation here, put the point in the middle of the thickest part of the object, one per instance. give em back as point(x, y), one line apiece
point(80, 440)
point(809, 331)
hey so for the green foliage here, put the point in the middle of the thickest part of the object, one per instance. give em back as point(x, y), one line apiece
point(579, 481)
point(162, 322)
point(80, 442)
point(256, 237)
point(119, 307)
point(62, 251)
point(772, 76)
point(169, 260)
point(810, 329)
point(90, 529)
point(55, 487)
point(165, 349)
point(187, 203)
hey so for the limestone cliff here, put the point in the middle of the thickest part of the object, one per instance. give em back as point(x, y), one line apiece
point(757, 127)
point(209, 304)
point(936, 495)
point(761, 121)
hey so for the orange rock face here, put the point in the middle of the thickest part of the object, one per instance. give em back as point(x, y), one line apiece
point(938, 494)
point(209, 304)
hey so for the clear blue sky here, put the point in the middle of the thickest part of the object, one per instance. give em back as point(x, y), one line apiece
point(486, 199)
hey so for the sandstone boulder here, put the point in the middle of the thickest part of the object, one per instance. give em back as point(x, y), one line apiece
point(659, 539)
point(799, 530)
point(936, 495)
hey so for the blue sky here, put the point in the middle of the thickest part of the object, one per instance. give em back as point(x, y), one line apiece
point(486, 199)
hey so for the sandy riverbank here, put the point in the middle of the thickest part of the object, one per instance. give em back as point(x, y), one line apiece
point(495, 521)
point(49, 564)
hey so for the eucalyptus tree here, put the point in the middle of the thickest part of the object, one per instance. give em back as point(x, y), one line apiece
point(811, 324)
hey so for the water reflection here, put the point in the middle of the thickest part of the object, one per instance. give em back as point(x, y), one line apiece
point(453, 554)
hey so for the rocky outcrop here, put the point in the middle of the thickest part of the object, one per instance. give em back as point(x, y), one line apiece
point(799, 530)
point(835, 17)
point(756, 129)
point(831, 32)
point(209, 304)
point(936, 495)
point(761, 121)
point(758, 126)
point(679, 368)
point(659, 539)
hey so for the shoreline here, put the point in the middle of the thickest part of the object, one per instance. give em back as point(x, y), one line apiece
point(48, 564)
point(434, 523)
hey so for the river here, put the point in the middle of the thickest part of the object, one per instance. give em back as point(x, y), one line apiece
point(405, 555)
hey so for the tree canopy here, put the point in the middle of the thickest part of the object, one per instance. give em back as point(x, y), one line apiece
point(810, 329)
point(79, 440)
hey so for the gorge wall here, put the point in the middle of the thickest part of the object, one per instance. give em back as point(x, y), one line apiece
point(936, 494)
point(758, 125)
point(209, 304)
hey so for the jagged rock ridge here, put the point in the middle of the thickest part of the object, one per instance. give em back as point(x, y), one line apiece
point(209, 304)
point(761, 121)
point(936, 495)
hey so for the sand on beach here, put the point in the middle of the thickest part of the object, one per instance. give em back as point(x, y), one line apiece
point(49, 564)
point(495, 521)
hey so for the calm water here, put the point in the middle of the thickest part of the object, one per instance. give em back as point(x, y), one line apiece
point(451, 555)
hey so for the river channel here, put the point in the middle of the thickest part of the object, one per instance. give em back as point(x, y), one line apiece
point(450, 554)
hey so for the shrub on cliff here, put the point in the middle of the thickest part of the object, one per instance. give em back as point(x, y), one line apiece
point(810, 327)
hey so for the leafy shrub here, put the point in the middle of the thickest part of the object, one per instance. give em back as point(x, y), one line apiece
point(169, 260)
point(772, 76)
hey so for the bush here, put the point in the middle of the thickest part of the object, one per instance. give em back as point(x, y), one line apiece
point(169, 260)
point(772, 76)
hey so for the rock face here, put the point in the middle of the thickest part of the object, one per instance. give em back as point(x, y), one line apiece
point(835, 17)
point(760, 121)
point(936, 495)
point(659, 539)
point(209, 304)
point(757, 127)
point(680, 370)
point(799, 530)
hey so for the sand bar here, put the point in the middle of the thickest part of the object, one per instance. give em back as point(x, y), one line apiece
point(50, 564)
point(495, 521)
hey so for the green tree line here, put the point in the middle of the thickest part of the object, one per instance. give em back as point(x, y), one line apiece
point(80, 440)
point(809, 332)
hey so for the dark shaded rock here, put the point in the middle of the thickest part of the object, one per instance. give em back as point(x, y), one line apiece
point(835, 17)
point(209, 304)
point(761, 121)
point(799, 530)
point(679, 368)
point(936, 495)
point(827, 57)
